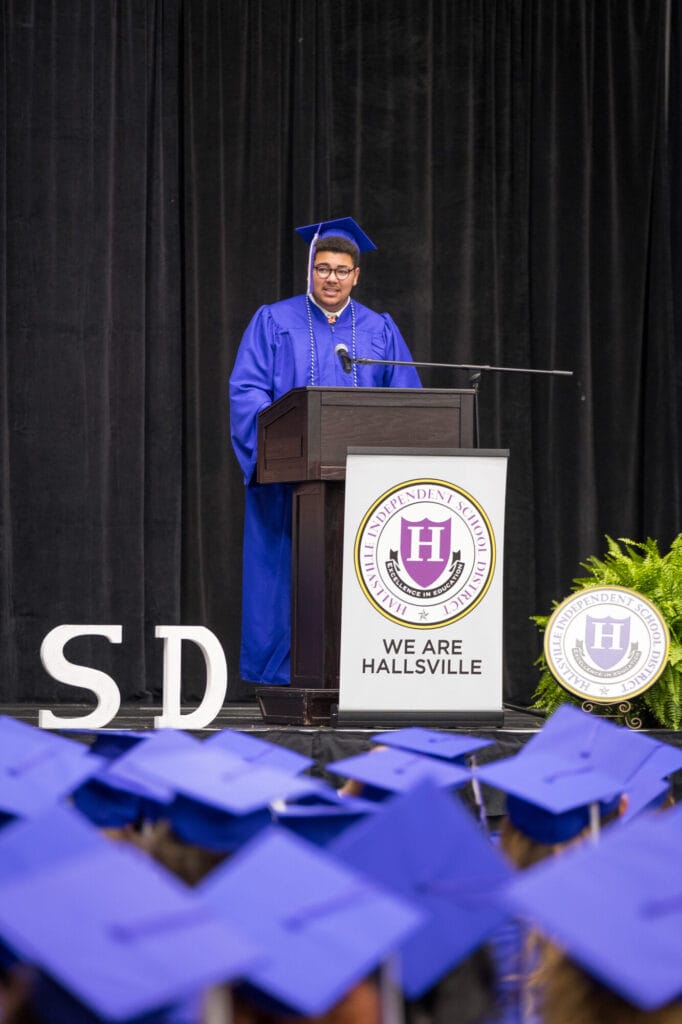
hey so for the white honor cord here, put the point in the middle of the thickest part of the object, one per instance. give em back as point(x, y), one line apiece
point(311, 333)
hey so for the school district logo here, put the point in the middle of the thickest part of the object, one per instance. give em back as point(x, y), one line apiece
point(606, 644)
point(425, 553)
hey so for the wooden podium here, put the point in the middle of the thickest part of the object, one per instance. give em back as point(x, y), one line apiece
point(303, 439)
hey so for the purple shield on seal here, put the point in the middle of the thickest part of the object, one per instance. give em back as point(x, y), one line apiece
point(424, 549)
point(607, 639)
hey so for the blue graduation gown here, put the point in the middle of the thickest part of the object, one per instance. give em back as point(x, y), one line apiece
point(275, 355)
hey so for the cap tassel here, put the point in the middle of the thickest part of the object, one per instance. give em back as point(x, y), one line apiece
point(390, 992)
point(595, 823)
point(311, 256)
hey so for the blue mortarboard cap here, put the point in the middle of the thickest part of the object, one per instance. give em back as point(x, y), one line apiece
point(664, 761)
point(615, 908)
point(111, 806)
point(321, 822)
point(575, 761)
point(554, 784)
point(29, 845)
point(432, 742)
point(344, 227)
point(118, 933)
point(125, 790)
point(258, 752)
point(643, 796)
point(39, 770)
point(324, 927)
point(577, 735)
point(135, 771)
point(110, 743)
point(19, 739)
point(213, 777)
point(648, 787)
point(427, 847)
point(220, 800)
point(396, 771)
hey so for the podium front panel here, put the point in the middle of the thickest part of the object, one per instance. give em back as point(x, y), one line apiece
point(303, 439)
point(306, 433)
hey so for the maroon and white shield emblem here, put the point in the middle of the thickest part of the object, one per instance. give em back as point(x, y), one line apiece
point(607, 639)
point(425, 549)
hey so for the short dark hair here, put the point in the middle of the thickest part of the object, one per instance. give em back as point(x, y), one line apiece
point(337, 243)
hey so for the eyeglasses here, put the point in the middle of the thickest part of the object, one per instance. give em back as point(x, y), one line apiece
point(324, 271)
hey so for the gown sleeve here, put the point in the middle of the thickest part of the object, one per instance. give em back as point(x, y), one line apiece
point(396, 348)
point(251, 388)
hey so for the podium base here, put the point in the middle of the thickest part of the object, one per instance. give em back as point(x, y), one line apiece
point(290, 705)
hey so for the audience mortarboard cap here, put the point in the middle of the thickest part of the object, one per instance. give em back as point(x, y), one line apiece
point(110, 743)
point(39, 770)
point(321, 822)
point(29, 845)
point(33, 844)
point(323, 926)
point(645, 795)
point(426, 847)
point(575, 734)
point(664, 761)
point(343, 227)
point(220, 800)
point(575, 761)
point(396, 771)
point(113, 806)
point(432, 742)
point(258, 752)
point(118, 933)
point(134, 771)
point(648, 787)
point(615, 908)
point(218, 779)
point(19, 739)
point(126, 791)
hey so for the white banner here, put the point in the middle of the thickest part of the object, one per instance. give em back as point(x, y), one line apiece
point(421, 624)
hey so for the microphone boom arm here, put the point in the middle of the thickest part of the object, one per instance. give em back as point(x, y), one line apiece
point(458, 366)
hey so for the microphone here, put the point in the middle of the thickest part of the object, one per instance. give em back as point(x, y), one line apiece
point(341, 351)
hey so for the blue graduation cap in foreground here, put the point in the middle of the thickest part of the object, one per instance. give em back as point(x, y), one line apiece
point(258, 752)
point(615, 908)
point(321, 820)
point(397, 771)
point(126, 790)
point(111, 743)
point(219, 800)
point(324, 926)
point(118, 933)
point(575, 762)
point(433, 742)
point(33, 844)
point(38, 769)
point(426, 847)
point(649, 787)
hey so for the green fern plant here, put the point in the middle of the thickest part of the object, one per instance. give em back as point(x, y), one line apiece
point(641, 567)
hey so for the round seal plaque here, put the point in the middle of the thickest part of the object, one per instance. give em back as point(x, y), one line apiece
point(606, 644)
point(424, 553)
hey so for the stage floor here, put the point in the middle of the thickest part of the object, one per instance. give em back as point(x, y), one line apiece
point(247, 717)
point(325, 744)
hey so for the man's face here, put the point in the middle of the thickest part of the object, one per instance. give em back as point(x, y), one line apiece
point(332, 293)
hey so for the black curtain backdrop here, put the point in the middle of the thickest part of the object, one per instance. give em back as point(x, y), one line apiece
point(516, 161)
